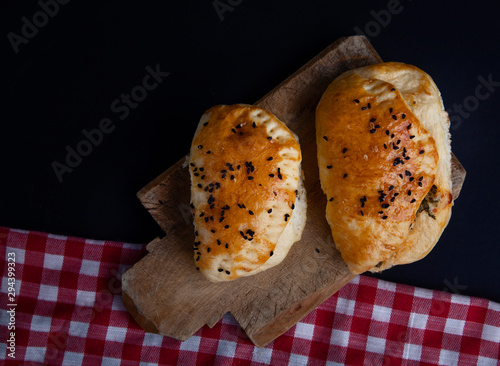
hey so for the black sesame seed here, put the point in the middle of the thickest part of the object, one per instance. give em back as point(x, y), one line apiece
point(221, 219)
point(401, 176)
point(271, 254)
point(196, 174)
point(385, 146)
point(387, 132)
point(385, 205)
point(391, 187)
point(254, 125)
point(381, 212)
point(206, 123)
point(420, 179)
point(407, 173)
point(223, 171)
point(233, 130)
point(345, 176)
point(199, 185)
point(286, 217)
point(293, 206)
point(227, 245)
point(407, 158)
point(202, 177)
point(362, 214)
point(218, 242)
point(344, 150)
point(393, 89)
point(220, 270)
point(232, 177)
point(403, 116)
point(408, 127)
point(227, 272)
point(250, 178)
point(192, 164)
point(331, 199)
point(270, 158)
point(369, 105)
point(356, 100)
point(250, 212)
point(394, 117)
point(420, 184)
point(384, 217)
point(363, 108)
point(200, 146)
point(412, 136)
point(226, 227)
point(413, 200)
point(269, 138)
point(411, 179)
point(271, 175)
point(377, 126)
point(390, 110)
point(317, 250)
point(328, 167)
point(197, 258)
point(197, 268)
point(409, 192)
point(396, 194)
point(392, 136)
point(373, 130)
point(326, 138)
point(373, 120)
point(270, 210)
point(398, 142)
point(213, 231)
point(392, 199)
point(421, 152)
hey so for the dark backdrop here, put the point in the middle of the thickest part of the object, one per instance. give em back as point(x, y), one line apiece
point(67, 66)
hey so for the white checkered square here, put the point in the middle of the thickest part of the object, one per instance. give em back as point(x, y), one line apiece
point(152, 340)
point(117, 304)
point(48, 293)
point(412, 352)
point(40, 323)
point(5, 285)
point(304, 331)
point(72, 358)
point(297, 360)
point(262, 355)
point(460, 299)
point(418, 321)
point(447, 357)
point(339, 338)
point(35, 354)
point(191, 344)
point(109, 361)
point(53, 261)
point(85, 298)
point(90, 268)
point(226, 349)
point(454, 326)
point(381, 313)
point(422, 293)
point(486, 361)
point(345, 306)
point(491, 333)
point(20, 253)
point(375, 345)
point(116, 334)
point(494, 306)
point(386, 286)
point(331, 363)
point(78, 329)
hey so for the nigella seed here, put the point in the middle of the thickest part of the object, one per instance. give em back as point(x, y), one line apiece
point(226, 227)
point(392, 199)
point(401, 176)
point(206, 123)
point(328, 167)
point(218, 242)
point(412, 136)
point(317, 250)
point(293, 206)
point(385, 146)
point(232, 177)
point(192, 164)
point(213, 231)
point(356, 100)
point(200, 146)
point(199, 185)
point(363, 108)
point(202, 177)
point(394, 117)
point(391, 187)
point(377, 126)
point(385, 205)
point(411, 179)
point(381, 212)
point(221, 219)
point(220, 270)
point(369, 105)
point(286, 217)
point(362, 214)
point(254, 125)
point(326, 138)
point(413, 200)
point(271, 175)
point(196, 174)
point(331, 199)
point(420, 184)
point(270, 210)
point(403, 116)
point(421, 152)
point(409, 192)
point(398, 142)
point(392, 136)
point(344, 150)
point(384, 217)
point(407, 173)
point(250, 212)
point(408, 127)
point(387, 132)
point(270, 158)
point(227, 245)
point(206, 220)
point(420, 179)
point(390, 110)
point(197, 268)
point(233, 130)
point(393, 89)
point(197, 258)
point(269, 138)
point(373, 120)
point(228, 273)
point(223, 171)
point(373, 130)
point(396, 194)
point(250, 178)
point(345, 176)
point(271, 254)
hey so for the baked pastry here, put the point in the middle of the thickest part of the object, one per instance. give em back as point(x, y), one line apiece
point(384, 161)
point(247, 195)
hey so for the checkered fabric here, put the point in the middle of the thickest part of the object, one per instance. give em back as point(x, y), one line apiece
point(68, 311)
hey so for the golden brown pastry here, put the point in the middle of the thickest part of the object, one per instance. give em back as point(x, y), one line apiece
point(247, 196)
point(384, 161)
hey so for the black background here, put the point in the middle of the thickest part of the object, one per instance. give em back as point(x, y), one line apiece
point(64, 79)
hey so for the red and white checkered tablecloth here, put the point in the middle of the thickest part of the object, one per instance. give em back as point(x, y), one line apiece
point(68, 311)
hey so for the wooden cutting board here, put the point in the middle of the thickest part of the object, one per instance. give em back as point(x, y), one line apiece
point(164, 292)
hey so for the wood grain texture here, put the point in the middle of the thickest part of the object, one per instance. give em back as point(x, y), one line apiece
point(164, 292)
